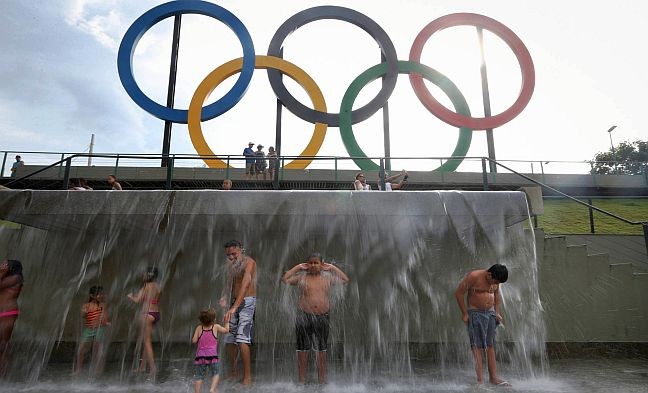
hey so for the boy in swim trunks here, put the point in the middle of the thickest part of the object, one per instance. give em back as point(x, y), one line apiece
point(314, 279)
point(482, 315)
point(242, 281)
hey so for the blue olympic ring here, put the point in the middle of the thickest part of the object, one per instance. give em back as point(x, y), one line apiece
point(156, 14)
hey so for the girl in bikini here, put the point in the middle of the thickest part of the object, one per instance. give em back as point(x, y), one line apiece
point(11, 281)
point(95, 321)
point(150, 314)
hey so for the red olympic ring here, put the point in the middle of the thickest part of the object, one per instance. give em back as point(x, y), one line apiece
point(508, 36)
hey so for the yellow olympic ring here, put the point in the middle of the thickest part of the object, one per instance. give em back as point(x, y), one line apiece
point(230, 68)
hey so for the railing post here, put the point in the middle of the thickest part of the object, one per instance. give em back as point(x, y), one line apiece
point(283, 163)
point(227, 168)
point(645, 173)
point(645, 231)
point(116, 165)
point(66, 173)
point(441, 170)
point(61, 165)
point(484, 174)
point(169, 177)
point(381, 176)
point(4, 162)
point(336, 169)
point(591, 216)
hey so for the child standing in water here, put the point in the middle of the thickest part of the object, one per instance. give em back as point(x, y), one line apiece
point(150, 314)
point(95, 321)
point(482, 316)
point(206, 361)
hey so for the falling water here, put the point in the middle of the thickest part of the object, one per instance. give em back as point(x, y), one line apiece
point(395, 324)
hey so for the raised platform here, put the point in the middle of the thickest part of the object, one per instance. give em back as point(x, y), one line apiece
point(146, 178)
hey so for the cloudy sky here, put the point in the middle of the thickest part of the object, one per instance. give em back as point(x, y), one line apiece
point(60, 84)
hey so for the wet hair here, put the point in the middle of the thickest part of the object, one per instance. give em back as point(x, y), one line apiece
point(94, 291)
point(151, 273)
point(207, 317)
point(113, 176)
point(316, 255)
point(15, 268)
point(499, 272)
point(234, 243)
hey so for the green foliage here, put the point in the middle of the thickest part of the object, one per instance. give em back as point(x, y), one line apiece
point(563, 216)
point(628, 158)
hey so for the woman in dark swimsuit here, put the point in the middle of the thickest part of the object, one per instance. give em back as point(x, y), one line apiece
point(11, 280)
point(150, 314)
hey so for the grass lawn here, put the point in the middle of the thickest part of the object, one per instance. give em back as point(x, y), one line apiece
point(565, 216)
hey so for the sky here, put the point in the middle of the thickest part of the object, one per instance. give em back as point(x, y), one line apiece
point(60, 82)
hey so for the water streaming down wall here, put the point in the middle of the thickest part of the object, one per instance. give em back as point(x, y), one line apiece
point(405, 253)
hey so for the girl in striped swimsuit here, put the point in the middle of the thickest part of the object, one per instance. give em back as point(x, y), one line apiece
point(95, 321)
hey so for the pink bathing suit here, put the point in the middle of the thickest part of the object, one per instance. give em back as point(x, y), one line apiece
point(9, 313)
point(207, 351)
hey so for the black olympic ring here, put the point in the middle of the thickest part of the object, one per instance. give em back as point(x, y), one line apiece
point(346, 15)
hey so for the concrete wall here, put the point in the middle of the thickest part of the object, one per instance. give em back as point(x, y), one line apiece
point(590, 296)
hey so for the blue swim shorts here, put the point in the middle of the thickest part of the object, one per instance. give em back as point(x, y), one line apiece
point(481, 328)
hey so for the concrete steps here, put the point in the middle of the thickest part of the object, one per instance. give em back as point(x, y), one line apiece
point(589, 298)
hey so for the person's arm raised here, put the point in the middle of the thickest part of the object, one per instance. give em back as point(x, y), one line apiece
point(336, 271)
point(291, 277)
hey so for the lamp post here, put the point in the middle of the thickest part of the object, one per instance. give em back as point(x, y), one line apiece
point(612, 147)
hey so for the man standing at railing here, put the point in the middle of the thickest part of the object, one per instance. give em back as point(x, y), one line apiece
point(249, 161)
point(14, 168)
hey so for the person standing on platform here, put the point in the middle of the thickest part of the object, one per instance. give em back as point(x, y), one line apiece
point(261, 163)
point(360, 183)
point(14, 168)
point(272, 162)
point(389, 181)
point(248, 152)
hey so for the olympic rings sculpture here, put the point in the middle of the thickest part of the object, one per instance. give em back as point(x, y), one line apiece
point(318, 115)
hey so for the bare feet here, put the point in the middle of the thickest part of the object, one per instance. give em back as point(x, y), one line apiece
point(247, 382)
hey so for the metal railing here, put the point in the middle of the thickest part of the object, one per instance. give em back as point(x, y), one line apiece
point(534, 167)
point(591, 207)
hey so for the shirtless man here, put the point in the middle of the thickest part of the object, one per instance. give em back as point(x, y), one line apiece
point(242, 281)
point(482, 316)
point(314, 279)
point(11, 281)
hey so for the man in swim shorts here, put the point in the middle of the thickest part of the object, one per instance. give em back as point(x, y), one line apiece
point(242, 282)
point(314, 279)
point(482, 315)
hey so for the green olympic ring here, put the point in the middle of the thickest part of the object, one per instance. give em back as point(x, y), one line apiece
point(404, 67)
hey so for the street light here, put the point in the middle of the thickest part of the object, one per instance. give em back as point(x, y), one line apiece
point(612, 146)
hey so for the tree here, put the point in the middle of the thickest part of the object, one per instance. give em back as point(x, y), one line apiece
point(628, 158)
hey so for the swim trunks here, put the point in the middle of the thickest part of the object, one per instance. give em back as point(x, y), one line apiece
point(92, 334)
point(312, 331)
point(242, 322)
point(202, 371)
point(481, 328)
